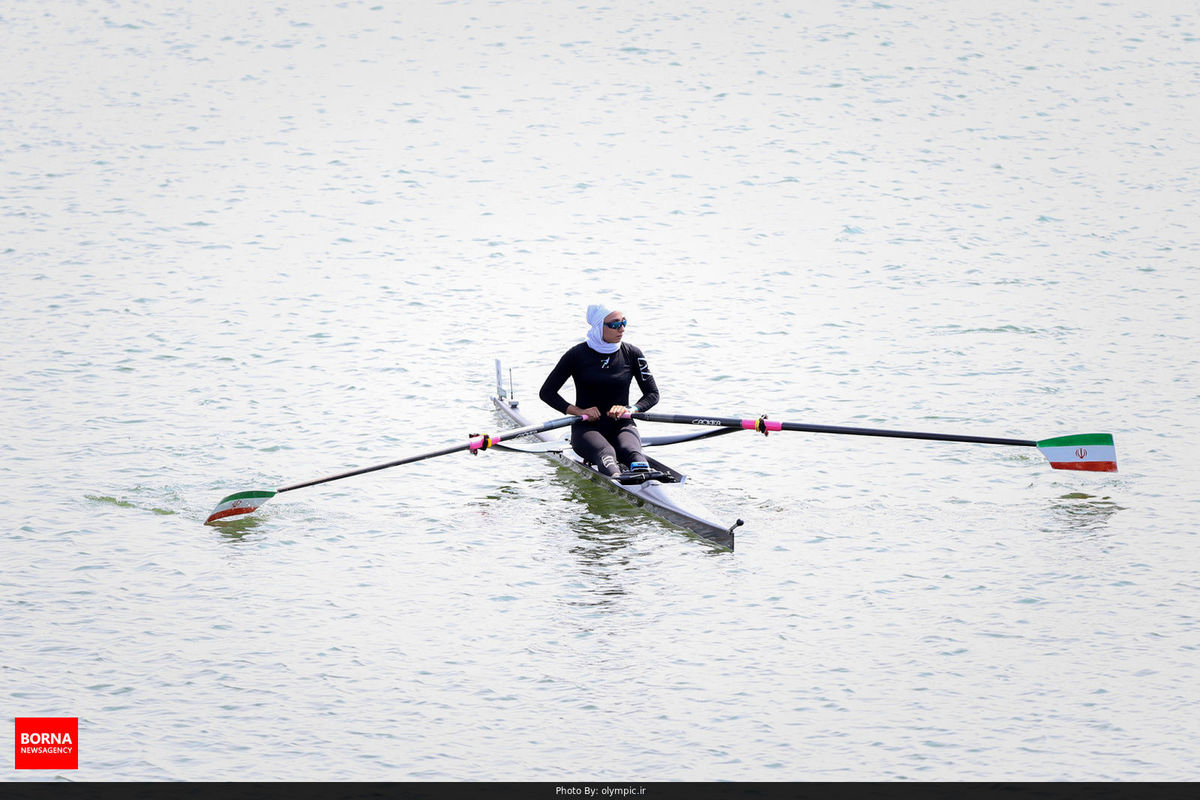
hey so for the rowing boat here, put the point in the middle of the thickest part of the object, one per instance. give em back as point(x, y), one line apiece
point(659, 489)
point(663, 497)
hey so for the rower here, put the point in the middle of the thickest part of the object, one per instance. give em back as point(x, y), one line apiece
point(602, 368)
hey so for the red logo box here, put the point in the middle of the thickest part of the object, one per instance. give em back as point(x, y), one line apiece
point(47, 743)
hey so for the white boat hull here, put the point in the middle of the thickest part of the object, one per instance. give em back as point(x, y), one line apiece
point(664, 500)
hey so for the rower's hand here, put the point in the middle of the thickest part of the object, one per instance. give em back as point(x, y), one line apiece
point(592, 413)
point(616, 412)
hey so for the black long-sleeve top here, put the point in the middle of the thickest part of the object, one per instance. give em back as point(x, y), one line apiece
point(601, 379)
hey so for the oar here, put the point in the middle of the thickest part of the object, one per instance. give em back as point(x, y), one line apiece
point(247, 502)
point(563, 445)
point(1094, 452)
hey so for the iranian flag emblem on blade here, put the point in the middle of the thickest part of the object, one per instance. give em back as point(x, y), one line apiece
point(1093, 452)
point(238, 504)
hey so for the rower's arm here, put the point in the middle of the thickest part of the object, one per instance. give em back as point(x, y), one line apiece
point(645, 382)
point(554, 381)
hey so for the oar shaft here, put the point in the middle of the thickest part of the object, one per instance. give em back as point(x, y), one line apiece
point(375, 468)
point(772, 425)
point(476, 443)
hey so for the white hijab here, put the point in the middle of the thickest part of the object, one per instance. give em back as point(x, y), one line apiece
point(595, 336)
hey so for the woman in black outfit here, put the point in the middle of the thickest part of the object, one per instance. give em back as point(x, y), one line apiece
point(602, 368)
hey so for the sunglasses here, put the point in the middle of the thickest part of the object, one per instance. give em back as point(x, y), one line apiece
point(616, 325)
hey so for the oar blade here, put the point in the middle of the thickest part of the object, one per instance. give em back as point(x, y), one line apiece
point(239, 504)
point(1091, 452)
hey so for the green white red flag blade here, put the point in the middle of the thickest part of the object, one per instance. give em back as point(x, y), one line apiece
point(238, 504)
point(1093, 452)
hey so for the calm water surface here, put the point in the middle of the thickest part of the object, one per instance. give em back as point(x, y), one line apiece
point(248, 246)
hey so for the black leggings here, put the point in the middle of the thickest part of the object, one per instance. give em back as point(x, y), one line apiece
point(607, 443)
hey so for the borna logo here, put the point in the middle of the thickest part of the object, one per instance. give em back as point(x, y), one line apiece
point(46, 743)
